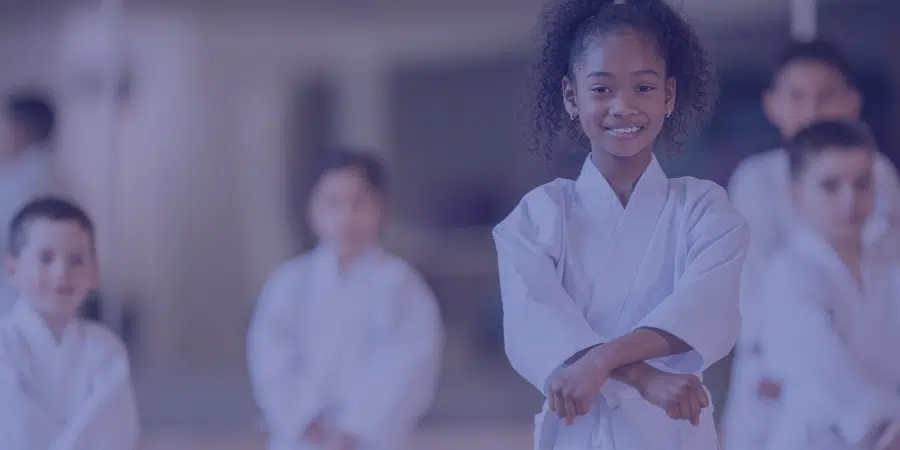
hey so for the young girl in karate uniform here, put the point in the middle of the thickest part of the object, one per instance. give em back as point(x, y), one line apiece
point(832, 304)
point(619, 288)
point(345, 345)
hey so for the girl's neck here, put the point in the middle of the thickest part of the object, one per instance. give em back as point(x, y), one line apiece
point(622, 173)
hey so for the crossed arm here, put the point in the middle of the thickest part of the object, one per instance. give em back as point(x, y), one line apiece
point(544, 327)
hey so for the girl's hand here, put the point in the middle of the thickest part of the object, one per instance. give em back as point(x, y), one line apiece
point(769, 389)
point(571, 389)
point(680, 396)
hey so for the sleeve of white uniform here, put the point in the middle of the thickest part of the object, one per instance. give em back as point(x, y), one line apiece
point(750, 190)
point(397, 389)
point(703, 309)
point(107, 419)
point(277, 369)
point(14, 413)
point(542, 324)
point(119, 427)
point(887, 189)
point(805, 351)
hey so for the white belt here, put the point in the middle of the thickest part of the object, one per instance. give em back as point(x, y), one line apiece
point(603, 410)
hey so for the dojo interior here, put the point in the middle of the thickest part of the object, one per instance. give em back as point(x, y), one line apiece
point(188, 128)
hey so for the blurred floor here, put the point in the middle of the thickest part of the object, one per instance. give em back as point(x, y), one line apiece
point(483, 407)
point(480, 389)
point(216, 400)
point(224, 400)
point(486, 436)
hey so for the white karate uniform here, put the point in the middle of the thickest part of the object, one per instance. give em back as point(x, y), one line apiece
point(577, 269)
point(27, 177)
point(760, 189)
point(69, 394)
point(361, 348)
point(833, 345)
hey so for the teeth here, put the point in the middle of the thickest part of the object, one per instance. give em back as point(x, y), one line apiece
point(624, 130)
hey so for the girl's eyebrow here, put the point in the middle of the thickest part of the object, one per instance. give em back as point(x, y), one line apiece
point(602, 74)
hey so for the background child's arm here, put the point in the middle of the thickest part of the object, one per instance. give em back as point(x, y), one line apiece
point(107, 420)
point(289, 401)
point(17, 408)
point(396, 390)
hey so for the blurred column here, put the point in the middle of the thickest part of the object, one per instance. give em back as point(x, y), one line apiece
point(136, 188)
point(112, 23)
point(804, 19)
point(261, 154)
point(91, 65)
point(362, 116)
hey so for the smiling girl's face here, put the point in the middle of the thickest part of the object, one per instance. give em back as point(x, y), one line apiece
point(621, 93)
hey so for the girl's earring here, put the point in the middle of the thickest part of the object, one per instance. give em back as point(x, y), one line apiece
point(668, 113)
point(573, 116)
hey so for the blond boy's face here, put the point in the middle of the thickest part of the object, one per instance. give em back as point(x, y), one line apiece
point(55, 270)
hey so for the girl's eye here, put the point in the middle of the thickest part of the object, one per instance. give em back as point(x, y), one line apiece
point(645, 88)
point(601, 90)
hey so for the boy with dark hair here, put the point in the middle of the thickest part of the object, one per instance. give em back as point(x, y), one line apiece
point(812, 82)
point(64, 382)
point(830, 327)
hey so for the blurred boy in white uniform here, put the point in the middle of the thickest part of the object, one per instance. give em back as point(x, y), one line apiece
point(832, 312)
point(811, 82)
point(64, 382)
point(345, 346)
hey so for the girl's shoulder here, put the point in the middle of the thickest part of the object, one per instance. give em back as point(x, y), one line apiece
point(543, 201)
point(540, 215)
point(694, 189)
point(704, 199)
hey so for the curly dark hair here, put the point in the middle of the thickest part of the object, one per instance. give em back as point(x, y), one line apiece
point(566, 28)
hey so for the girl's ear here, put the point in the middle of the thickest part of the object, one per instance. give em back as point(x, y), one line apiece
point(569, 97)
point(670, 94)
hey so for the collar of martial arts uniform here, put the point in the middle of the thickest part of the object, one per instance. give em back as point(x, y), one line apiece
point(36, 329)
point(598, 196)
point(328, 259)
point(807, 241)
